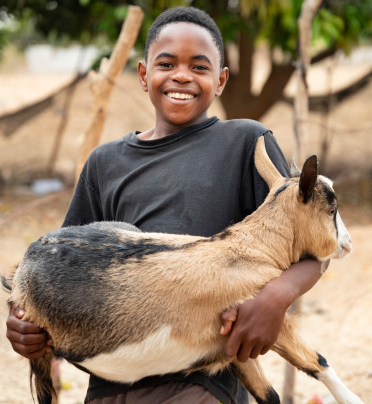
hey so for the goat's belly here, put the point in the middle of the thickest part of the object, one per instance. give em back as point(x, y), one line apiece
point(156, 355)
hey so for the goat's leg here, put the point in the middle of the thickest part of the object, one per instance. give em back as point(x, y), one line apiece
point(253, 379)
point(292, 348)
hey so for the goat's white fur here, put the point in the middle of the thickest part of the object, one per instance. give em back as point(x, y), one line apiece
point(342, 394)
point(344, 242)
point(158, 354)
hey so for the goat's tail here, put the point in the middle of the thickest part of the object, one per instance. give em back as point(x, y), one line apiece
point(40, 369)
point(7, 283)
point(41, 375)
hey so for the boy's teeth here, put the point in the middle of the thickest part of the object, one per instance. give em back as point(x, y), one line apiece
point(180, 96)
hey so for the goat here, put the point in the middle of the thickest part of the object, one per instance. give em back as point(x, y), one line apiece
point(111, 297)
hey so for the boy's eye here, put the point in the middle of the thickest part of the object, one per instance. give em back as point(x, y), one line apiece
point(165, 64)
point(200, 68)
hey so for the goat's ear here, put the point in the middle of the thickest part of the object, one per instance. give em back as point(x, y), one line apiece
point(308, 178)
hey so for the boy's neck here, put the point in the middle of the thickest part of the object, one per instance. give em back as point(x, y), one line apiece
point(160, 131)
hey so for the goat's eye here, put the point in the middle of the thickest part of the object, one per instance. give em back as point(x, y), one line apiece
point(333, 212)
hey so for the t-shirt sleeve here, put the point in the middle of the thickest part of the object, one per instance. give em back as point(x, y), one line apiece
point(276, 155)
point(85, 206)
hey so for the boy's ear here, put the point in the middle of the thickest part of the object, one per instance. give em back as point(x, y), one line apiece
point(224, 76)
point(142, 75)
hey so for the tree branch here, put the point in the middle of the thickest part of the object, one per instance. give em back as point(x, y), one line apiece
point(103, 82)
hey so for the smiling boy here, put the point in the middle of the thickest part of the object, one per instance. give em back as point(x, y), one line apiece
point(190, 174)
point(183, 75)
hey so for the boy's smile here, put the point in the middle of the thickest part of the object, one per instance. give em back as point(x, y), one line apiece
point(179, 96)
point(182, 76)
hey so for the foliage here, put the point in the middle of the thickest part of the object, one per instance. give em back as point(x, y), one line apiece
point(4, 31)
point(3, 40)
point(345, 22)
point(338, 24)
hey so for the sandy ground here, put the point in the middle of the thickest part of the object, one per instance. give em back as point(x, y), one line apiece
point(336, 317)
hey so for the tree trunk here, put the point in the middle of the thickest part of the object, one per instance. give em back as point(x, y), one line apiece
point(237, 96)
point(238, 100)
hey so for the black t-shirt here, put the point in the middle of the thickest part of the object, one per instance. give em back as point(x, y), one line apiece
point(196, 181)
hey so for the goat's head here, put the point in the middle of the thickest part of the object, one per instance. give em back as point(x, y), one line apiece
point(311, 201)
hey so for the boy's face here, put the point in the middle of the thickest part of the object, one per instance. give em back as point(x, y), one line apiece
point(182, 75)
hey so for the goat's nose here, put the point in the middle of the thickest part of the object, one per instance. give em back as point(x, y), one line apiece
point(348, 237)
point(346, 243)
point(347, 247)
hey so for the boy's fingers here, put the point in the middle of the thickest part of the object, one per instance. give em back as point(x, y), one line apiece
point(31, 351)
point(244, 354)
point(247, 351)
point(226, 327)
point(265, 350)
point(16, 323)
point(230, 314)
point(232, 345)
point(228, 318)
point(28, 339)
point(31, 346)
point(242, 347)
point(17, 311)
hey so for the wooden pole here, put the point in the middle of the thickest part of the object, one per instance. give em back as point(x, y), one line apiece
point(301, 111)
point(289, 373)
point(61, 127)
point(301, 105)
point(102, 83)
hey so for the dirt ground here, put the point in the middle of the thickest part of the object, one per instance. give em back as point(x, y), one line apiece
point(336, 313)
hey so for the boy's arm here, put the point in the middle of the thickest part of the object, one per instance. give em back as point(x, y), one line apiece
point(255, 324)
point(26, 338)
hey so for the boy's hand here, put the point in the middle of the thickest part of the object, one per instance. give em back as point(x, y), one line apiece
point(26, 338)
point(257, 326)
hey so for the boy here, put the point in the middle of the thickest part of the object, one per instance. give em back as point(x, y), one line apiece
point(188, 174)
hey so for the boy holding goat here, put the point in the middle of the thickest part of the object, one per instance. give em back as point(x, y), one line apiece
point(189, 174)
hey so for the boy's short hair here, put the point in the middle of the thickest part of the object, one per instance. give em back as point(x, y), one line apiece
point(185, 14)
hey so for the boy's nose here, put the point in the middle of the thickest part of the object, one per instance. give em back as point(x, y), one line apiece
point(182, 75)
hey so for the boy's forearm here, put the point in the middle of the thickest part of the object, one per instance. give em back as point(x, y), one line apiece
point(295, 281)
point(255, 324)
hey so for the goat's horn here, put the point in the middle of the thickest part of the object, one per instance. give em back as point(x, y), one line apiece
point(264, 165)
point(295, 171)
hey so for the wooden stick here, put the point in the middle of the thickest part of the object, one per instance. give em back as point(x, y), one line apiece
point(289, 374)
point(70, 91)
point(301, 105)
point(301, 111)
point(102, 83)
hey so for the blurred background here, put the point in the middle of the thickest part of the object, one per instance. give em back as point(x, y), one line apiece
point(46, 106)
